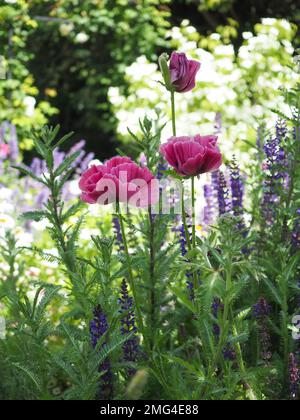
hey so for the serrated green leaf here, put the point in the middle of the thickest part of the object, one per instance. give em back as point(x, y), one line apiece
point(63, 139)
point(273, 291)
point(36, 216)
point(28, 373)
point(29, 173)
point(183, 298)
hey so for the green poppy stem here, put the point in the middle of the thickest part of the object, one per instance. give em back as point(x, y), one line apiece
point(195, 276)
point(185, 226)
point(173, 113)
point(193, 212)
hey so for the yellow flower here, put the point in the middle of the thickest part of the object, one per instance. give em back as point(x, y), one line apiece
point(200, 230)
point(51, 92)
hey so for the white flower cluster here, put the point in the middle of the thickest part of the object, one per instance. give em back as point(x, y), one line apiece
point(242, 86)
point(8, 219)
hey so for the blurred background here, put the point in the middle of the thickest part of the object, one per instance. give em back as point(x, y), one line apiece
point(91, 66)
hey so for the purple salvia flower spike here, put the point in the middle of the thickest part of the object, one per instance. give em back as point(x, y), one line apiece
point(237, 195)
point(79, 146)
point(98, 327)
point(183, 248)
point(85, 162)
point(118, 233)
point(294, 378)
point(131, 348)
point(209, 209)
point(296, 233)
point(223, 194)
point(276, 172)
point(261, 311)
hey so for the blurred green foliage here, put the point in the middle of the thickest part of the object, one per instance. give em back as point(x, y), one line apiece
point(89, 49)
point(62, 56)
point(67, 54)
point(220, 5)
point(18, 90)
point(247, 12)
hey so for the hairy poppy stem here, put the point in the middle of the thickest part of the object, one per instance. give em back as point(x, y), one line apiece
point(193, 212)
point(153, 305)
point(190, 244)
point(195, 276)
point(186, 230)
point(173, 112)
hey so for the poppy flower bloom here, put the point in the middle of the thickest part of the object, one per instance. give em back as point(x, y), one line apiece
point(119, 180)
point(192, 156)
point(183, 72)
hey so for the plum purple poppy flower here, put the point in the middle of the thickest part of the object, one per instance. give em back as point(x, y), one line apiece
point(119, 180)
point(183, 72)
point(191, 156)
